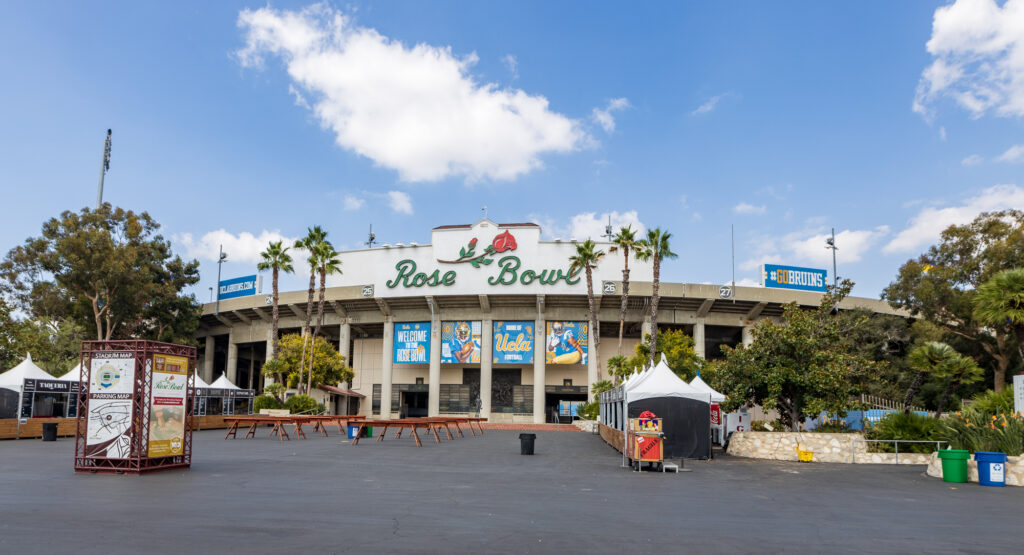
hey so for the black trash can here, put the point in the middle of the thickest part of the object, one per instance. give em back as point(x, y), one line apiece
point(526, 443)
point(49, 431)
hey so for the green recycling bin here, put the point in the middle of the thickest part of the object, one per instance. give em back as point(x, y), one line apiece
point(954, 465)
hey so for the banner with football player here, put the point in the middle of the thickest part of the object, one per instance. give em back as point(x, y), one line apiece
point(460, 342)
point(567, 342)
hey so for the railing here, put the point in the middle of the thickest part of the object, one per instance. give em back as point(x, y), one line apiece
point(887, 404)
point(897, 442)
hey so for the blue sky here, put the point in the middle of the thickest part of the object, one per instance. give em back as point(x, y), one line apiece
point(236, 122)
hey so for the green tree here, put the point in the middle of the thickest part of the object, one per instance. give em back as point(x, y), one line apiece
point(328, 366)
point(586, 258)
point(276, 259)
point(957, 371)
point(655, 247)
point(625, 241)
point(999, 303)
point(314, 237)
point(327, 257)
point(926, 359)
point(108, 270)
point(800, 367)
point(675, 345)
point(940, 284)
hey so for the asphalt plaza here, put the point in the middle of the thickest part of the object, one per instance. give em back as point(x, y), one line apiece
point(479, 495)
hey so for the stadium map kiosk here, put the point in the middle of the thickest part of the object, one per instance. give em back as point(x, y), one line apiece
point(132, 420)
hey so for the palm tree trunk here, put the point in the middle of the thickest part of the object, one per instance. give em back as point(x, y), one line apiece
point(316, 331)
point(911, 391)
point(625, 296)
point(950, 390)
point(654, 307)
point(594, 329)
point(305, 327)
point(274, 324)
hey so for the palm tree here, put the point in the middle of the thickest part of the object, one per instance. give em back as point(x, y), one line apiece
point(586, 258)
point(329, 264)
point(626, 241)
point(655, 247)
point(314, 236)
point(960, 370)
point(926, 359)
point(1000, 302)
point(276, 259)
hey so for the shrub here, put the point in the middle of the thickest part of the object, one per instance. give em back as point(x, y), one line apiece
point(979, 431)
point(764, 425)
point(589, 411)
point(994, 403)
point(301, 404)
point(833, 427)
point(915, 427)
point(266, 402)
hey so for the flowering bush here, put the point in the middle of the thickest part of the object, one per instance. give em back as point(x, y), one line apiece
point(981, 431)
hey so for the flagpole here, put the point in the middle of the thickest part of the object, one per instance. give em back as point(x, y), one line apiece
point(104, 166)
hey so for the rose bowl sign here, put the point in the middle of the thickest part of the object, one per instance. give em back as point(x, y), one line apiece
point(478, 259)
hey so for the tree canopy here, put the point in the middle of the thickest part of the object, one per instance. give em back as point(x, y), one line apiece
point(677, 347)
point(800, 367)
point(107, 270)
point(328, 366)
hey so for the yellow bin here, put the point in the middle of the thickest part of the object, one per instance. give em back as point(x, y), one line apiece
point(804, 455)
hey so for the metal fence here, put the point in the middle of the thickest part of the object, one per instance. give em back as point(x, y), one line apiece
point(897, 442)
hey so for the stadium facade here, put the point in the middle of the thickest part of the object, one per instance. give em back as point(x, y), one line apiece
point(487, 319)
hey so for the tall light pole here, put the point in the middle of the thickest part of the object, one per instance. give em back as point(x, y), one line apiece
point(220, 261)
point(830, 243)
point(104, 167)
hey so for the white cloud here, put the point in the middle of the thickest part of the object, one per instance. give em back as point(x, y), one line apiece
point(942, 133)
point(400, 202)
point(924, 228)
point(604, 117)
point(300, 100)
point(353, 202)
point(744, 208)
point(972, 160)
point(414, 109)
point(709, 105)
point(747, 282)
point(1013, 155)
point(978, 47)
point(808, 247)
point(244, 247)
point(589, 225)
point(512, 64)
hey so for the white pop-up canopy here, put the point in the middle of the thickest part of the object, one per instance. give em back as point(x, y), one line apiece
point(14, 378)
point(73, 375)
point(700, 385)
point(201, 383)
point(223, 383)
point(661, 381)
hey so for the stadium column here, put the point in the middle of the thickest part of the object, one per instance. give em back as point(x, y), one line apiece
point(698, 337)
point(385, 368)
point(211, 344)
point(344, 342)
point(539, 372)
point(486, 366)
point(645, 327)
point(434, 375)
point(748, 337)
point(593, 365)
point(232, 369)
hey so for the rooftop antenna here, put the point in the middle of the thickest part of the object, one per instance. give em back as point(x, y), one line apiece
point(371, 238)
point(608, 233)
point(104, 168)
point(221, 259)
point(830, 243)
point(484, 210)
point(732, 245)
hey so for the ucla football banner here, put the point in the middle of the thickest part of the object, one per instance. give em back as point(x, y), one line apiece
point(244, 286)
point(566, 342)
point(513, 343)
point(412, 343)
point(460, 342)
point(793, 277)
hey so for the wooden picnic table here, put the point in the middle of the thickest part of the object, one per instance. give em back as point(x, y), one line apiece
point(319, 422)
point(412, 424)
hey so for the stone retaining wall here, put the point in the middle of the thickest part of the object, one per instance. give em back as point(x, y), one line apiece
point(1014, 469)
point(834, 448)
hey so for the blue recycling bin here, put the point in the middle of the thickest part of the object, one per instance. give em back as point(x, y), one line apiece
point(991, 468)
point(352, 431)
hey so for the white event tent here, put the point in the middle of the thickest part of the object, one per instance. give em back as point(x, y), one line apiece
point(222, 383)
point(702, 386)
point(13, 381)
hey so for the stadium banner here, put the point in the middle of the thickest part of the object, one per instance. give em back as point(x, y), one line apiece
point(513, 342)
point(244, 286)
point(794, 277)
point(412, 343)
point(460, 342)
point(566, 342)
